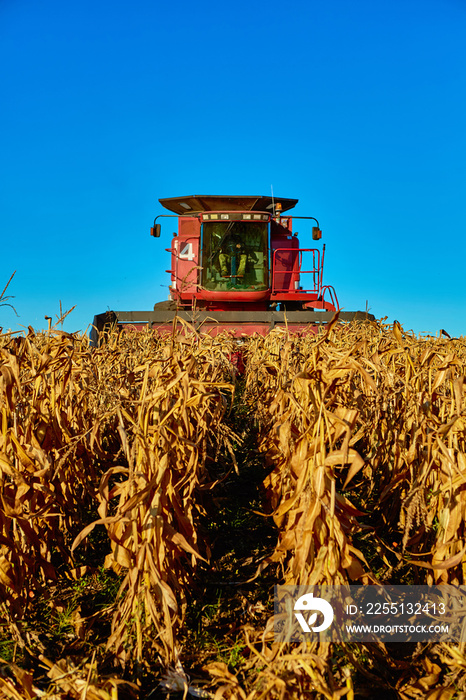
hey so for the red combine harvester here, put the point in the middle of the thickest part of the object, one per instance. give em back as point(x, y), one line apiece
point(237, 265)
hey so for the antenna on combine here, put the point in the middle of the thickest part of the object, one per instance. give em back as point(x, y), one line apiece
point(273, 204)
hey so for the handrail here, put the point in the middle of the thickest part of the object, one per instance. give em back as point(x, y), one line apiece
point(333, 295)
point(316, 272)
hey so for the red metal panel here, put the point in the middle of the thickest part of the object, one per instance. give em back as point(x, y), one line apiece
point(189, 226)
point(239, 331)
point(185, 258)
point(285, 264)
point(233, 295)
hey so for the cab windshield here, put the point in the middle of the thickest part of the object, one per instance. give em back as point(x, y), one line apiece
point(234, 255)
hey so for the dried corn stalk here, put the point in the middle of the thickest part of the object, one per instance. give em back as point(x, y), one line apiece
point(369, 405)
point(150, 511)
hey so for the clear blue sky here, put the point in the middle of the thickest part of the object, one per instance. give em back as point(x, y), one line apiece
point(358, 109)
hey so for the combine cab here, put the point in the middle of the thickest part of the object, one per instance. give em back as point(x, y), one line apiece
point(237, 265)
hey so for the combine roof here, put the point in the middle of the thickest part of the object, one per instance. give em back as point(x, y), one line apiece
point(194, 203)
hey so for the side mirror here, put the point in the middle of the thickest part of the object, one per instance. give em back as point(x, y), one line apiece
point(316, 233)
point(155, 231)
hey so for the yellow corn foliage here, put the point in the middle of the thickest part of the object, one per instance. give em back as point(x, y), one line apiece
point(362, 428)
point(370, 411)
point(125, 427)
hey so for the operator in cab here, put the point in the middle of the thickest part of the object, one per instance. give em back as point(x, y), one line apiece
point(233, 257)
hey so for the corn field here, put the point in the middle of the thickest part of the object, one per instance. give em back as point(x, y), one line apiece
point(151, 497)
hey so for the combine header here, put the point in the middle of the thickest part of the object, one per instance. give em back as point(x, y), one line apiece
point(237, 265)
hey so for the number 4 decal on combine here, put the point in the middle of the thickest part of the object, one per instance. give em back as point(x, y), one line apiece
point(186, 252)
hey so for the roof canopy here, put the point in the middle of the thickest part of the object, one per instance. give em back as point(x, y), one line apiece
point(195, 203)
